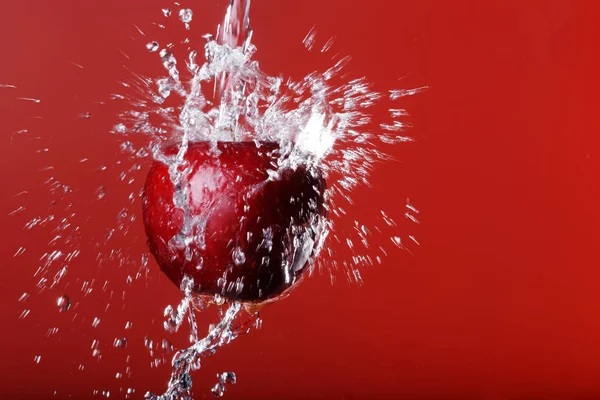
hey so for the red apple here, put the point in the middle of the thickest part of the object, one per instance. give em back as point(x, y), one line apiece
point(237, 229)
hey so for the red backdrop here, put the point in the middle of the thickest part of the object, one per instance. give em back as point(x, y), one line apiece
point(501, 299)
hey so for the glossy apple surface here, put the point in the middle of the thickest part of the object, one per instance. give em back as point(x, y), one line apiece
point(237, 223)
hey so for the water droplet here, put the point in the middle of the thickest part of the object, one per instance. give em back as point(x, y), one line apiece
point(167, 346)
point(218, 390)
point(397, 241)
point(122, 215)
point(398, 112)
point(185, 15)
point(100, 192)
point(166, 12)
point(120, 343)
point(37, 359)
point(327, 45)
point(227, 377)
point(18, 210)
point(238, 256)
point(193, 67)
point(309, 40)
point(142, 153)
point(63, 303)
point(96, 322)
point(128, 325)
point(396, 94)
point(127, 147)
point(164, 87)
point(152, 46)
point(414, 240)
point(29, 99)
point(51, 331)
point(119, 128)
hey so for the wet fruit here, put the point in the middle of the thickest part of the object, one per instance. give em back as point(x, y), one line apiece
point(234, 220)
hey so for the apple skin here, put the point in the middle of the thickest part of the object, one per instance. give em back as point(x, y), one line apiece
point(237, 232)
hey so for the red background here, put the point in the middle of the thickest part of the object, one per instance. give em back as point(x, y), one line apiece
point(501, 299)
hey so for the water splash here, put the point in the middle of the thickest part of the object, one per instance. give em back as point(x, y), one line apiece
point(321, 120)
